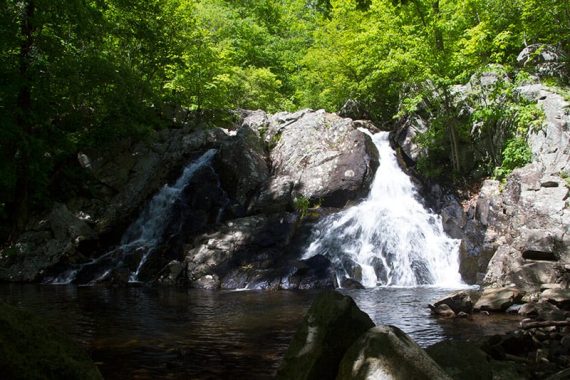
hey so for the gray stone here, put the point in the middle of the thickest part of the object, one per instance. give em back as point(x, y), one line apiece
point(386, 352)
point(457, 301)
point(461, 360)
point(541, 311)
point(442, 310)
point(559, 297)
point(331, 326)
point(498, 299)
point(329, 160)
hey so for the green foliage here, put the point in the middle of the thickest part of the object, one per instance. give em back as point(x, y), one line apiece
point(302, 205)
point(566, 177)
point(98, 71)
point(515, 154)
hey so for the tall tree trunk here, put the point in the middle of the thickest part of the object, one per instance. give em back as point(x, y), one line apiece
point(24, 118)
point(438, 34)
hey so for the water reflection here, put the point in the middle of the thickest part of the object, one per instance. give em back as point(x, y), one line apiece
point(139, 333)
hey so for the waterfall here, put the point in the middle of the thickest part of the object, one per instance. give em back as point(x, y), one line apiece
point(390, 238)
point(144, 235)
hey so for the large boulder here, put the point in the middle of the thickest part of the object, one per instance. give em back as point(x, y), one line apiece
point(461, 360)
point(328, 159)
point(545, 60)
point(386, 352)
point(241, 252)
point(331, 326)
point(242, 166)
point(31, 349)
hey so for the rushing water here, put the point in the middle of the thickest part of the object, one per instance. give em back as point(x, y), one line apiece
point(144, 234)
point(138, 333)
point(390, 238)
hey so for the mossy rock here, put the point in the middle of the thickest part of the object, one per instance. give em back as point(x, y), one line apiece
point(31, 349)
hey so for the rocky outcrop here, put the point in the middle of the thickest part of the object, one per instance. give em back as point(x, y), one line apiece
point(31, 349)
point(120, 179)
point(522, 229)
point(331, 326)
point(232, 223)
point(315, 158)
point(328, 160)
point(243, 253)
point(386, 352)
point(517, 233)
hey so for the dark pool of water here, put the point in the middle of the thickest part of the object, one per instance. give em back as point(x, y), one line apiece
point(139, 333)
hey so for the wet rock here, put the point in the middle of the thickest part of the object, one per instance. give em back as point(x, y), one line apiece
point(442, 310)
point(57, 238)
point(386, 352)
point(498, 299)
point(32, 349)
point(514, 309)
point(120, 179)
point(458, 301)
point(209, 281)
point(349, 283)
point(331, 326)
point(172, 274)
point(461, 360)
point(315, 272)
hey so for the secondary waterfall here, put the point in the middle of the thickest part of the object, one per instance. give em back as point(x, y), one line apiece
point(143, 236)
point(390, 238)
point(147, 231)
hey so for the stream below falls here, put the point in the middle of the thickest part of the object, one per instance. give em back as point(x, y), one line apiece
point(142, 333)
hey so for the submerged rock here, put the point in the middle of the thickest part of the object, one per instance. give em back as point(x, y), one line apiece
point(386, 352)
point(331, 326)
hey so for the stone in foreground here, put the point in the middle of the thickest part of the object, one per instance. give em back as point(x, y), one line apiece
point(386, 352)
point(331, 326)
point(30, 349)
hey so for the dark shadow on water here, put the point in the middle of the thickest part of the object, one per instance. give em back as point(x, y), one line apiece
point(141, 333)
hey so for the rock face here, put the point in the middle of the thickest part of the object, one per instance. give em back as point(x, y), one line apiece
point(30, 349)
point(386, 352)
point(336, 162)
point(233, 223)
point(516, 233)
point(331, 326)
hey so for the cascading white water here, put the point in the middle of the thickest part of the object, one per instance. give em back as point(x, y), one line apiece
point(147, 231)
point(390, 238)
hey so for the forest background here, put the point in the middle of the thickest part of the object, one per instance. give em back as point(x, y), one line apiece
point(82, 74)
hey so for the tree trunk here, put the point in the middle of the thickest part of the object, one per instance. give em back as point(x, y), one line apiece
point(24, 119)
point(437, 31)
